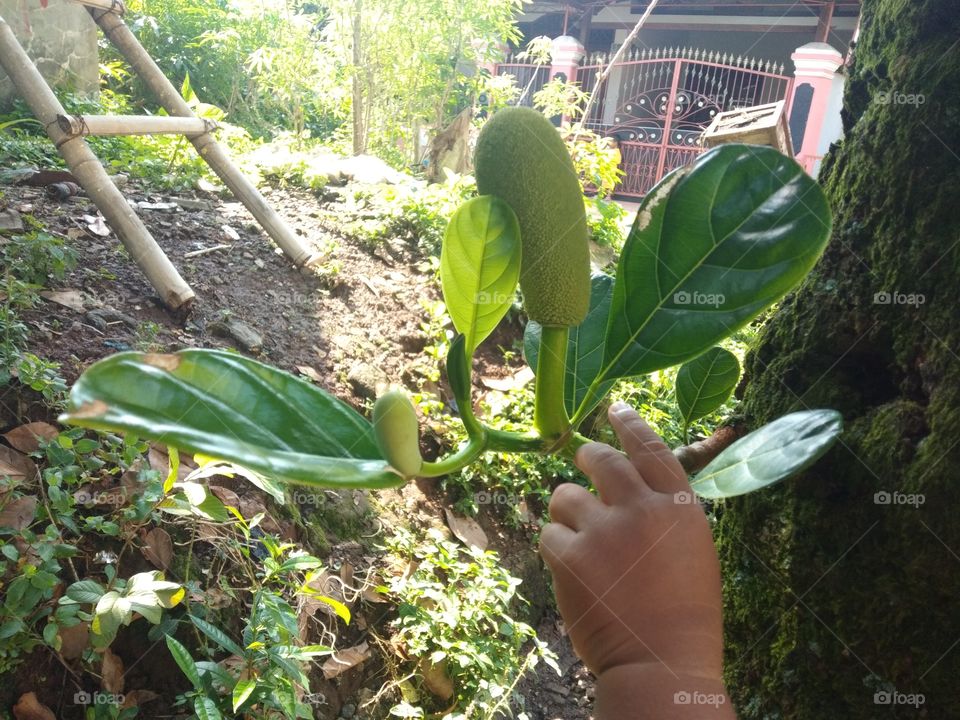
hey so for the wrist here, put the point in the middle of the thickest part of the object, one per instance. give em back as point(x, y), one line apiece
point(650, 691)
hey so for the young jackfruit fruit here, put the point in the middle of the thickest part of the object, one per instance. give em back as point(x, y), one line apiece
point(522, 160)
point(398, 434)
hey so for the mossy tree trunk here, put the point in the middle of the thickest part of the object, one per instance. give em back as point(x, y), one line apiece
point(832, 595)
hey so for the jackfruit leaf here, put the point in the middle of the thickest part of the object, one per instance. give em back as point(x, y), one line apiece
point(227, 406)
point(773, 453)
point(705, 383)
point(480, 267)
point(584, 348)
point(458, 372)
point(714, 244)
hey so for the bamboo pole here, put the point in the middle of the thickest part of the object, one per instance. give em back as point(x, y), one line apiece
point(103, 125)
point(85, 166)
point(114, 6)
point(208, 148)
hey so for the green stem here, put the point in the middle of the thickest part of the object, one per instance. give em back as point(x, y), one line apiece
point(502, 441)
point(459, 460)
point(550, 414)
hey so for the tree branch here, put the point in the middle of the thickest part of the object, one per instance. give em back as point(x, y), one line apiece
point(696, 456)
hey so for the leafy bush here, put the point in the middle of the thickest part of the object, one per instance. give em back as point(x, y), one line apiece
point(37, 257)
point(605, 218)
point(455, 619)
point(267, 67)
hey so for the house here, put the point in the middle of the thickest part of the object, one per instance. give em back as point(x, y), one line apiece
point(692, 60)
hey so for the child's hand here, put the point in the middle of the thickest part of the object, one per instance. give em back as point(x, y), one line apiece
point(637, 577)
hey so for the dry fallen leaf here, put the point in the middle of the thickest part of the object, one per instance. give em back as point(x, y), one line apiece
point(326, 585)
point(18, 514)
point(97, 225)
point(225, 495)
point(345, 659)
point(74, 640)
point(26, 438)
point(467, 530)
point(15, 465)
point(71, 299)
point(158, 548)
point(136, 698)
point(111, 673)
point(29, 708)
point(310, 373)
point(436, 679)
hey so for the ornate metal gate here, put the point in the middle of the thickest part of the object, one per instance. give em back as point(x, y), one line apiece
point(657, 103)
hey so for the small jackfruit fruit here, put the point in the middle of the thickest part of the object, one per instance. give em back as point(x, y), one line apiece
point(522, 159)
point(398, 433)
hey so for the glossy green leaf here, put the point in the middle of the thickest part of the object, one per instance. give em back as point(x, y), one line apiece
point(217, 635)
point(705, 383)
point(86, 591)
point(229, 407)
point(713, 245)
point(480, 267)
point(242, 691)
point(458, 372)
point(584, 348)
point(206, 709)
point(771, 454)
point(184, 661)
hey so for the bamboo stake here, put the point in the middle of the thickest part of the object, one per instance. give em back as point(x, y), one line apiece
point(208, 148)
point(103, 125)
point(85, 166)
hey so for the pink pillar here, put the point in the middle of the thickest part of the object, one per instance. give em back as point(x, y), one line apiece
point(816, 102)
point(565, 56)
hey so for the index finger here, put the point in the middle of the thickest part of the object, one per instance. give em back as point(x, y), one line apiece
point(616, 480)
point(647, 452)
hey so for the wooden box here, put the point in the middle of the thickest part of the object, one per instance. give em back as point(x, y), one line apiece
point(757, 125)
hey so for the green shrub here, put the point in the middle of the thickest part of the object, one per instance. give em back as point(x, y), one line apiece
point(455, 616)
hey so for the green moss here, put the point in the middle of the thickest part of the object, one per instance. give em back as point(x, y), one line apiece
point(831, 595)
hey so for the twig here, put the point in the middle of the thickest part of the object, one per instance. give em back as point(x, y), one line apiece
point(205, 251)
point(602, 77)
point(696, 456)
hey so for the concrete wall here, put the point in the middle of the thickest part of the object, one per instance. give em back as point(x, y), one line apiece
point(60, 37)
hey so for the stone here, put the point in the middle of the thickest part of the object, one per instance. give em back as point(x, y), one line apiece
point(245, 336)
point(10, 221)
point(191, 204)
point(367, 380)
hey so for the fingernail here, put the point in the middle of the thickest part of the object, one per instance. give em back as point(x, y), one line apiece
point(618, 408)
